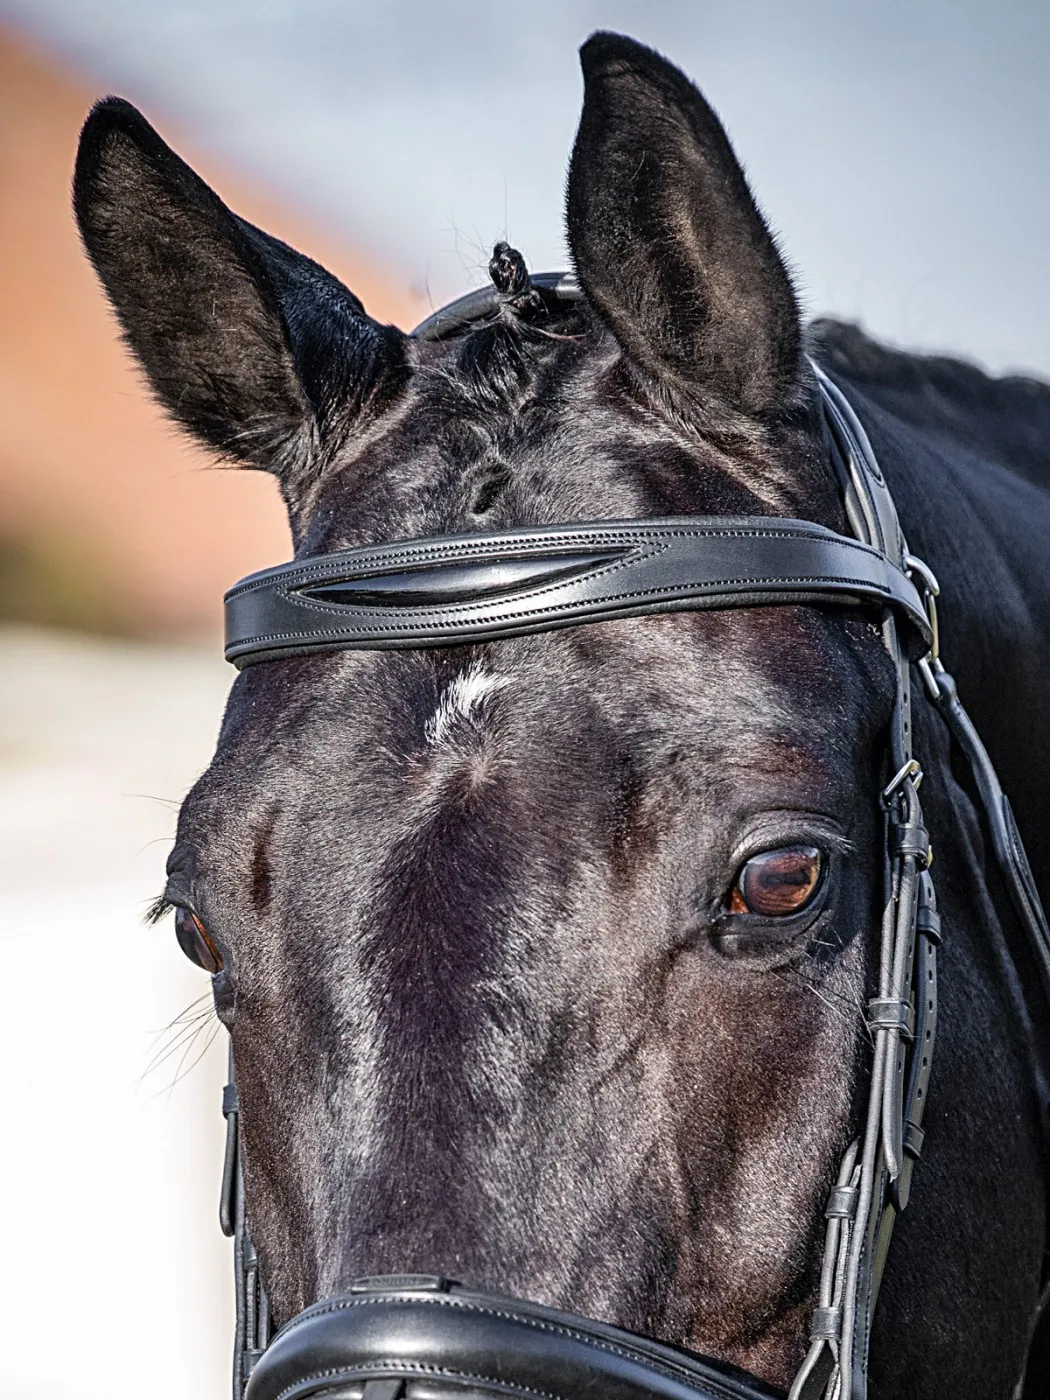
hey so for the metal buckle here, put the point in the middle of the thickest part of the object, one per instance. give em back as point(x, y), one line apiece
point(910, 771)
point(930, 665)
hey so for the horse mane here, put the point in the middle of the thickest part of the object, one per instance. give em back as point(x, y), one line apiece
point(1005, 418)
point(499, 360)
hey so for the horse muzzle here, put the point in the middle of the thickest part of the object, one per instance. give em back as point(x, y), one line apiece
point(416, 1338)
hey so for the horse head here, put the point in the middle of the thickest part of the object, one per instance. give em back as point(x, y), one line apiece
point(544, 961)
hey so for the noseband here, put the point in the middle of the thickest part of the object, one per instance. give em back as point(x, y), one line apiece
point(411, 1338)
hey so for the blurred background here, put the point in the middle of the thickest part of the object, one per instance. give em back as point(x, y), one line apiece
point(900, 151)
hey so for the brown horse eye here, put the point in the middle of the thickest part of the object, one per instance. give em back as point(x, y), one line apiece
point(196, 942)
point(777, 883)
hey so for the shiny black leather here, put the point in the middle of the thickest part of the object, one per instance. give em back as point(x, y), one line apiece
point(427, 1339)
point(1002, 829)
point(483, 304)
point(461, 589)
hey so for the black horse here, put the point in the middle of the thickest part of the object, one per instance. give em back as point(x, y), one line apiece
point(545, 962)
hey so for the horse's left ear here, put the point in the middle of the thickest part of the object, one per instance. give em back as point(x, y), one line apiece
point(668, 243)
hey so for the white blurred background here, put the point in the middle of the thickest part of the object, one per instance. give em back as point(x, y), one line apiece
point(114, 1280)
point(900, 150)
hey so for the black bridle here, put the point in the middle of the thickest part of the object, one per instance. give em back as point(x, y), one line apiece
point(425, 1338)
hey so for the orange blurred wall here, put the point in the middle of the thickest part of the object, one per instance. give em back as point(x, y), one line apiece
point(87, 463)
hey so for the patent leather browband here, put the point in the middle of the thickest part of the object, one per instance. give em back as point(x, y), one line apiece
point(460, 589)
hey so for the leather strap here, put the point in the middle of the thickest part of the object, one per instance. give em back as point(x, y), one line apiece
point(484, 303)
point(463, 589)
point(836, 1366)
point(1006, 841)
point(252, 1325)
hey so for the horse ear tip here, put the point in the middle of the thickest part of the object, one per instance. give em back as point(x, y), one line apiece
point(607, 57)
point(112, 103)
point(112, 124)
point(605, 46)
point(110, 113)
point(108, 117)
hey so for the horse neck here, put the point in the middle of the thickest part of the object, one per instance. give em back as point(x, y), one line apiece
point(976, 524)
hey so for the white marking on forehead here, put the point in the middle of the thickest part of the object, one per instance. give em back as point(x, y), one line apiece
point(461, 701)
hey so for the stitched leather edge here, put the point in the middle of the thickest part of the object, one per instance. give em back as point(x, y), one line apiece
point(536, 1324)
point(447, 549)
point(418, 1368)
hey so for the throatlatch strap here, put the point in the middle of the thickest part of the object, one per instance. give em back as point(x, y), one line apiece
point(1006, 839)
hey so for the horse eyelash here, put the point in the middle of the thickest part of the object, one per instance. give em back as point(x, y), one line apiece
point(161, 905)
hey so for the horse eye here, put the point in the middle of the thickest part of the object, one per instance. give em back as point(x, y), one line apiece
point(776, 883)
point(196, 942)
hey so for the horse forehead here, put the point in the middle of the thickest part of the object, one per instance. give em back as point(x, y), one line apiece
point(742, 701)
point(463, 701)
point(705, 677)
point(771, 671)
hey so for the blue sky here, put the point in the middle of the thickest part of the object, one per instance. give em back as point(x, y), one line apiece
point(898, 148)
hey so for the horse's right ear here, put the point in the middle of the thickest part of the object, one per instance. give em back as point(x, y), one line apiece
point(261, 353)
